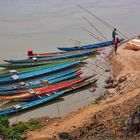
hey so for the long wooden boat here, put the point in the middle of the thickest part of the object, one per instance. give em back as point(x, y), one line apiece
point(19, 77)
point(90, 46)
point(35, 93)
point(50, 54)
point(40, 78)
point(23, 70)
point(45, 99)
point(61, 56)
point(27, 66)
point(40, 83)
point(41, 55)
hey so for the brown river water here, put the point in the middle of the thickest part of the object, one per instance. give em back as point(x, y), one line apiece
point(44, 25)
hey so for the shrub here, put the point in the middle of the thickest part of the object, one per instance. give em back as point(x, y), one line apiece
point(4, 121)
point(34, 124)
point(20, 127)
point(17, 131)
point(96, 102)
point(122, 121)
point(6, 132)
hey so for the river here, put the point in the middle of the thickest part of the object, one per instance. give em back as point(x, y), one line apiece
point(44, 25)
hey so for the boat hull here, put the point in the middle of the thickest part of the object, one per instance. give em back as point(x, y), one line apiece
point(85, 47)
point(33, 64)
point(40, 83)
point(57, 57)
point(20, 77)
point(35, 93)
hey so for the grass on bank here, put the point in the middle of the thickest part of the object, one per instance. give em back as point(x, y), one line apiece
point(17, 131)
point(122, 121)
point(96, 102)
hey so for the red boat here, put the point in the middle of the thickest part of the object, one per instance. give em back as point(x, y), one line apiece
point(33, 93)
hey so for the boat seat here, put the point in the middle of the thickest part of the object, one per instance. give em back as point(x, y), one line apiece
point(73, 87)
point(30, 83)
point(44, 82)
point(32, 91)
point(15, 77)
point(22, 83)
point(39, 96)
point(17, 106)
point(12, 72)
point(34, 59)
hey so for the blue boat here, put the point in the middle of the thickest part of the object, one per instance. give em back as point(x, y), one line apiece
point(41, 100)
point(43, 82)
point(56, 57)
point(91, 46)
point(30, 104)
point(38, 79)
point(20, 77)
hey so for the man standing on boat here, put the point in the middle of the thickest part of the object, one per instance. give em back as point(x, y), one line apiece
point(114, 35)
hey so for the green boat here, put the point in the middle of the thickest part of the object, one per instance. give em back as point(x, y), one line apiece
point(47, 65)
point(25, 65)
point(36, 63)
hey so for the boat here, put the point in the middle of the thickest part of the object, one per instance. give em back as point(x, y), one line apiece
point(19, 66)
point(45, 99)
point(23, 70)
point(36, 80)
point(27, 75)
point(35, 93)
point(90, 46)
point(40, 83)
point(27, 66)
point(61, 56)
point(50, 54)
point(41, 55)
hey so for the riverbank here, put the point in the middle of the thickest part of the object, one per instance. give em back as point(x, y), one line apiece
point(106, 119)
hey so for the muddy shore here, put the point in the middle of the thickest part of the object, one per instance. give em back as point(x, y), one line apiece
point(105, 120)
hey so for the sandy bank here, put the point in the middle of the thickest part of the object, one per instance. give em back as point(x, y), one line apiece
point(103, 120)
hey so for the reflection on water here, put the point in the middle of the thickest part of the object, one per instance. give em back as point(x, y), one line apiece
point(45, 24)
